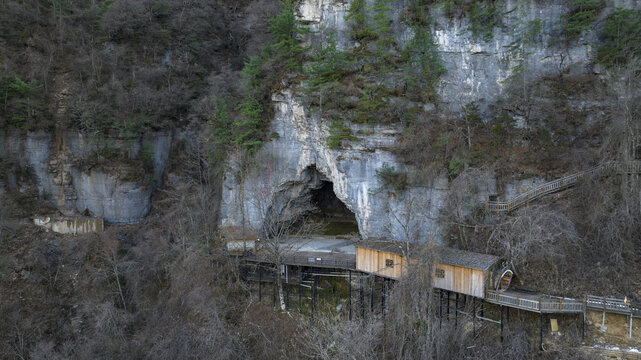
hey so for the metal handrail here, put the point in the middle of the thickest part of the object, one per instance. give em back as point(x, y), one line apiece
point(540, 304)
point(633, 167)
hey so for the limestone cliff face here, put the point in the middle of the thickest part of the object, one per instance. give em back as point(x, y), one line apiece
point(476, 71)
point(283, 165)
point(58, 168)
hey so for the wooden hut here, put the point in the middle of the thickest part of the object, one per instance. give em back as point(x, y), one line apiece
point(460, 271)
point(464, 272)
point(382, 258)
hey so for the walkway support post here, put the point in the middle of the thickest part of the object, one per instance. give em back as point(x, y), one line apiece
point(508, 315)
point(274, 286)
point(313, 299)
point(456, 311)
point(440, 308)
point(362, 298)
point(350, 295)
point(583, 326)
point(287, 298)
point(383, 299)
point(300, 296)
point(260, 283)
point(474, 316)
point(372, 286)
point(501, 324)
point(447, 307)
point(541, 331)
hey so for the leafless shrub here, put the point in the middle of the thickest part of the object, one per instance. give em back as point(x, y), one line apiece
point(340, 339)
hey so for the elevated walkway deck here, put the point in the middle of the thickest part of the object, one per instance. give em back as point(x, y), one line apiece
point(534, 302)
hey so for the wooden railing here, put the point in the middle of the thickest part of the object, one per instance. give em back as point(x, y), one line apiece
point(329, 260)
point(633, 167)
point(541, 304)
point(608, 304)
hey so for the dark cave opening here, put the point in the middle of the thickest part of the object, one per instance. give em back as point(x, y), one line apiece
point(333, 215)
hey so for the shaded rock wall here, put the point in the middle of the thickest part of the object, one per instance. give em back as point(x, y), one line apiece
point(55, 160)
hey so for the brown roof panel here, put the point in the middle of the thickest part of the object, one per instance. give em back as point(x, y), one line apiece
point(444, 255)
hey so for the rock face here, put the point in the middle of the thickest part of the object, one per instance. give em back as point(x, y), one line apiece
point(477, 70)
point(57, 164)
point(281, 173)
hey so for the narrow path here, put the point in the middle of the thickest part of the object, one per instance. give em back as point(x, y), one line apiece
point(633, 167)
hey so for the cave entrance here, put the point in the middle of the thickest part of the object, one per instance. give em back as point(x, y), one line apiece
point(309, 207)
point(330, 213)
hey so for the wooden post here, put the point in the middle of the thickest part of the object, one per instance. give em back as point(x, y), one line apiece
point(371, 295)
point(362, 298)
point(603, 327)
point(350, 295)
point(440, 308)
point(474, 316)
point(300, 295)
point(313, 298)
point(583, 328)
point(541, 331)
point(447, 307)
point(501, 324)
point(287, 298)
point(508, 315)
point(630, 326)
point(274, 286)
point(456, 311)
point(260, 283)
point(383, 299)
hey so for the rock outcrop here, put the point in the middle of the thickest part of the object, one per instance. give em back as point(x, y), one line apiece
point(64, 170)
point(477, 70)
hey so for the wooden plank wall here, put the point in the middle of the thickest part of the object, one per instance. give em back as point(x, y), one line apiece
point(461, 279)
point(373, 261)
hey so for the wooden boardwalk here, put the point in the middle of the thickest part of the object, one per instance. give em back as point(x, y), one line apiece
point(316, 259)
point(633, 167)
point(611, 305)
point(535, 303)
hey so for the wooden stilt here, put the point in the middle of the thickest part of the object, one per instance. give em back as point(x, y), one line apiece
point(583, 327)
point(541, 331)
point(350, 295)
point(362, 298)
point(440, 308)
point(508, 315)
point(447, 307)
point(456, 311)
point(260, 283)
point(383, 298)
point(501, 324)
point(313, 299)
point(474, 316)
point(300, 295)
point(274, 287)
point(287, 297)
point(371, 294)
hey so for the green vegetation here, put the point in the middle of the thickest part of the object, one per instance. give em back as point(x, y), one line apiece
point(328, 64)
point(337, 133)
point(285, 30)
point(423, 66)
point(455, 166)
point(389, 177)
point(365, 85)
point(357, 17)
point(246, 128)
point(620, 37)
point(22, 102)
point(484, 16)
point(583, 13)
